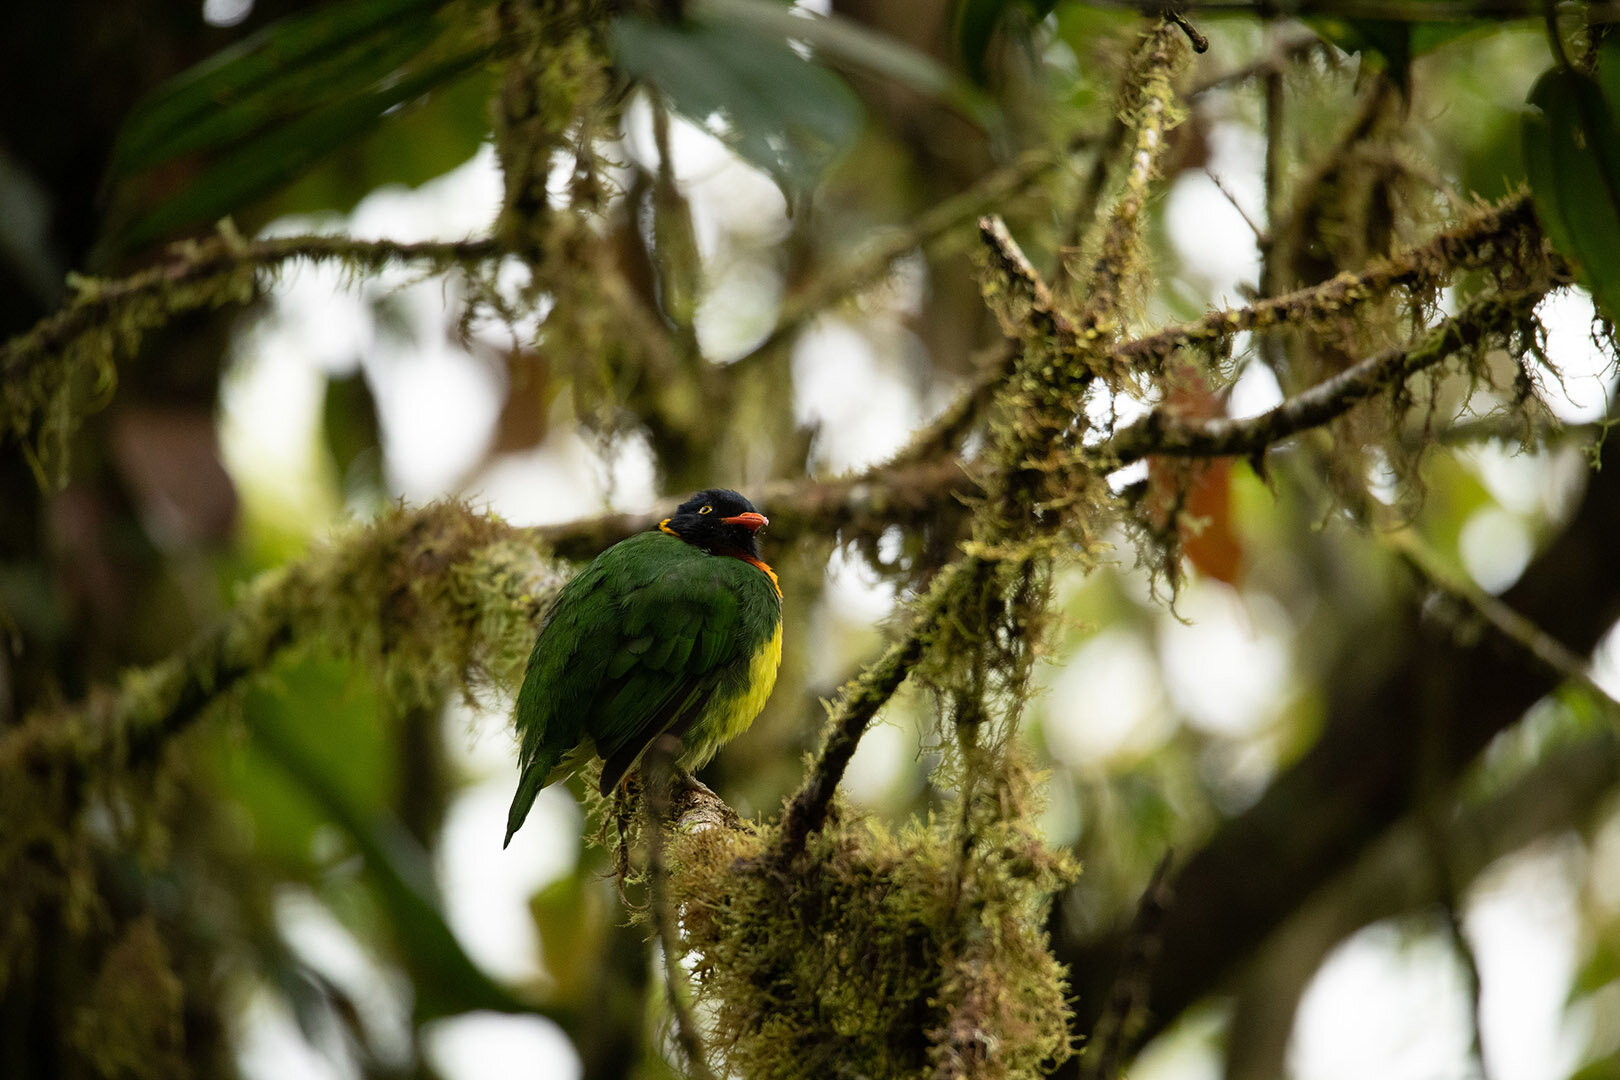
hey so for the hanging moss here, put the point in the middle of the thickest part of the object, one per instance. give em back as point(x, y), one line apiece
point(879, 954)
point(427, 600)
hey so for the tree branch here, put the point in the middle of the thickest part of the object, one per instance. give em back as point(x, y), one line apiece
point(435, 595)
point(49, 374)
point(1356, 781)
point(1509, 226)
point(225, 255)
point(1537, 647)
point(1161, 433)
point(658, 774)
point(859, 702)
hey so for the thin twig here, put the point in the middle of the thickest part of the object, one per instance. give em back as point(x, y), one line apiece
point(1220, 185)
point(1200, 43)
point(1446, 888)
point(1544, 651)
point(873, 263)
point(198, 261)
point(1128, 994)
point(657, 773)
point(1297, 44)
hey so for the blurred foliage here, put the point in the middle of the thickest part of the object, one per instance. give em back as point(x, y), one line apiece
point(1572, 150)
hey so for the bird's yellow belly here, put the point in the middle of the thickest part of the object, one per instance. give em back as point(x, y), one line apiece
point(729, 715)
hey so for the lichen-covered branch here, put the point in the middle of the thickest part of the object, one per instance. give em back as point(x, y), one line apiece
point(432, 597)
point(1504, 235)
point(55, 372)
point(1155, 110)
point(859, 702)
point(1161, 433)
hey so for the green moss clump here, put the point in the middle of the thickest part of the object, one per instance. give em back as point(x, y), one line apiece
point(877, 954)
point(132, 1026)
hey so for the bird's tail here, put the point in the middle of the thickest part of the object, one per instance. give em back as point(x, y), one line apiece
point(534, 777)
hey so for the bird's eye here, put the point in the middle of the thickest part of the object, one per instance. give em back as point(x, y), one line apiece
point(707, 510)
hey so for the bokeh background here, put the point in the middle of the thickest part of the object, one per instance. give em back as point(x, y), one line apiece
point(240, 438)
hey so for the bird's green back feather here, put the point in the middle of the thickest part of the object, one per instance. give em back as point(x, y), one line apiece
point(653, 636)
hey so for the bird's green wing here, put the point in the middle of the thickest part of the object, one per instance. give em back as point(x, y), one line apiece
point(679, 631)
point(565, 668)
point(633, 647)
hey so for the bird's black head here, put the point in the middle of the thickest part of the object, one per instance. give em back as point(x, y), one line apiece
point(719, 521)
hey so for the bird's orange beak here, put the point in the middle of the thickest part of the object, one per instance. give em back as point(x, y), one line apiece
point(751, 521)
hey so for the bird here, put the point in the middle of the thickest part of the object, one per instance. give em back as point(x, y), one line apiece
point(676, 630)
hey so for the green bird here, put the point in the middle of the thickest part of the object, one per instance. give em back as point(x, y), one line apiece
point(676, 630)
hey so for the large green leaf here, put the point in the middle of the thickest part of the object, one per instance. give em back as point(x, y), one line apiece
point(244, 123)
point(848, 42)
point(1572, 156)
point(280, 72)
point(400, 871)
point(750, 89)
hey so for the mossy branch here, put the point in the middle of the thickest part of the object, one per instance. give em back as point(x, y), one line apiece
point(1496, 236)
point(658, 772)
point(1155, 112)
point(1161, 433)
point(859, 702)
point(435, 597)
point(56, 371)
point(432, 597)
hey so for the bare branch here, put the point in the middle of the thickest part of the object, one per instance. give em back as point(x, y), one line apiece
point(1544, 651)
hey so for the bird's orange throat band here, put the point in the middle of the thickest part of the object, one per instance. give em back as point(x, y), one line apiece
point(663, 526)
point(751, 561)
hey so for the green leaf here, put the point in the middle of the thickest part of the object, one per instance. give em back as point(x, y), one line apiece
point(278, 73)
point(771, 105)
point(976, 24)
point(1572, 156)
point(244, 123)
point(446, 978)
point(847, 41)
